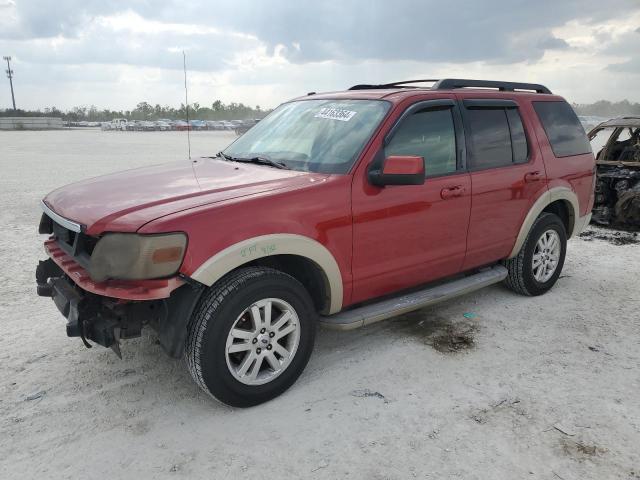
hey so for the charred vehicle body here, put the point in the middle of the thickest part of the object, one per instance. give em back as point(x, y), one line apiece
point(616, 144)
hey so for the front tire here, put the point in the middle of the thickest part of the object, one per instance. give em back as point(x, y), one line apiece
point(251, 336)
point(539, 263)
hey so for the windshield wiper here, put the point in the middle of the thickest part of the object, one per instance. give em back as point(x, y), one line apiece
point(258, 159)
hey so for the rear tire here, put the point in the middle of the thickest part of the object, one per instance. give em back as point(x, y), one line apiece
point(547, 241)
point(234, 351)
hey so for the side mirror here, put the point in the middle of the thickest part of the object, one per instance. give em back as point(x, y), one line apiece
point(398, 170)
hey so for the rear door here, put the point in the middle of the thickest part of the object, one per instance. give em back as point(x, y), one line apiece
point(507, 175)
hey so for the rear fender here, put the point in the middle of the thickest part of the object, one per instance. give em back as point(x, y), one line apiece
point(554, 194)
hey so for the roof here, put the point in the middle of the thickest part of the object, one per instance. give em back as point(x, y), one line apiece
point(627, 121)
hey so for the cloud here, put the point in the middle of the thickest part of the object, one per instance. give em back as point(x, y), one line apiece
point(342, 31)
point(264, 52)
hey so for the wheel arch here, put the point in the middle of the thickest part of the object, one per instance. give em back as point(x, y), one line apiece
point(302, 257)
point(561, 201)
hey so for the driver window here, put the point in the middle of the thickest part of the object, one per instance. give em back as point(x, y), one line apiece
point(429, 134)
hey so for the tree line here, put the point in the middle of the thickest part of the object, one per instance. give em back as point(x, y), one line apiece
point(239, 111)
point(604, 108)
point(145, 111)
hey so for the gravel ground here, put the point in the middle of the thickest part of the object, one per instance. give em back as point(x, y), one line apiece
point(488, 386)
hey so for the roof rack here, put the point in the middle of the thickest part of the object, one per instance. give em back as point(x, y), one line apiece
point(402, 84)
point(453, 83)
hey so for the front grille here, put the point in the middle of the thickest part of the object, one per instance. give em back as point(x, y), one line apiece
point(76, 244)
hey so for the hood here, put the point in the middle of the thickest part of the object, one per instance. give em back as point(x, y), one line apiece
point(127, 200)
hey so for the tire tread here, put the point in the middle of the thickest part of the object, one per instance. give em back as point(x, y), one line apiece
point(515, 266)
point(209, 303)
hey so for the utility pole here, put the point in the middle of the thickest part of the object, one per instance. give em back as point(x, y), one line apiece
point(10, 75)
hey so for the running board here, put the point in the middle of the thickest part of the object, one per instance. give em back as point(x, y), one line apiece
point(361, 316)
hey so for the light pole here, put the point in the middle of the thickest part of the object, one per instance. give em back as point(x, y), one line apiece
point(10, 75)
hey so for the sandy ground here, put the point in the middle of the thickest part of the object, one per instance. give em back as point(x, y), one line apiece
point(539, 388)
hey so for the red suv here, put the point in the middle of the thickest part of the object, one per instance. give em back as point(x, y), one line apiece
point(340, 209)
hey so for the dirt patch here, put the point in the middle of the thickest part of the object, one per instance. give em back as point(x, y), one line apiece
point(510, 406)
point(366, 393)
point(580, 450)
point(442, 334)
point(455, 338)
point(613, 237)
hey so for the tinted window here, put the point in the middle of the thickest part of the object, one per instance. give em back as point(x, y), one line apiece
point(490, 137)
point(429, 134)
point(564, 131)
point(518, 137)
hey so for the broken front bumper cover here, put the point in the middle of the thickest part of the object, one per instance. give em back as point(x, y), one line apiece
point(91, 317)
point(106, 320)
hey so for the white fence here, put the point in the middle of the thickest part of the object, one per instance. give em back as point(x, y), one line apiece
point(30, 123)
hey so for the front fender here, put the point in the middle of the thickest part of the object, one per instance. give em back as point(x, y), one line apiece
point(254, 248)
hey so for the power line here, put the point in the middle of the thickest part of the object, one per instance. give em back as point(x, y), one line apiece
point(10, 76)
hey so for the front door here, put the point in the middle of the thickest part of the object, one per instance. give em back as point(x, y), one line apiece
point(405, 235)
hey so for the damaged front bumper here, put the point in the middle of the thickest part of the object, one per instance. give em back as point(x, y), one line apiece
point(102, 320)
point(106, 320)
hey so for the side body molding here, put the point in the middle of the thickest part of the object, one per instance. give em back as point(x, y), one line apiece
point(548, 197)
point(251, 249)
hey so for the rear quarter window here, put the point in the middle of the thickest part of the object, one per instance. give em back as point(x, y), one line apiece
point(564, 131)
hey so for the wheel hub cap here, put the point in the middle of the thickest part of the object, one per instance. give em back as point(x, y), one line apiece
point(262, 341)
point(546, 256)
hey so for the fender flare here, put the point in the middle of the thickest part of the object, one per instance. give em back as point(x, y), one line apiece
point(262, 246)
point(552, 195)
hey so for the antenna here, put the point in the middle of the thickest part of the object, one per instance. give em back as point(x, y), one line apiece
point(186, 101)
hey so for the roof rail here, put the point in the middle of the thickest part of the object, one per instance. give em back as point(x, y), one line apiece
point(453, 83)
point(402, 84)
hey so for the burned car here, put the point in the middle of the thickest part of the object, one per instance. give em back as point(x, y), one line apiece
point(616, 144)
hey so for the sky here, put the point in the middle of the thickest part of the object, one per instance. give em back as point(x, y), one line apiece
point(114, 54)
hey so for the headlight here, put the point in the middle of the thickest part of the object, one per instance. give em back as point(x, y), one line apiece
point(128, 256)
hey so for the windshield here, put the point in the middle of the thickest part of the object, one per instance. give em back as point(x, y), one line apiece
point(312, 135)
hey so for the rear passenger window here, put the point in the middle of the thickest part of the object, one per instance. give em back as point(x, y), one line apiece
point(429, 134)
point(497, 136)
point(564, 131)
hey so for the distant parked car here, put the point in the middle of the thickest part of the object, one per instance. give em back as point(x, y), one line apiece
point(116, 124)
point(182, 125)
point(214, 125)
point(131, 126)
point(245, 126)
point(226, 125)
point(198, 125)
point(148, 126)
point(162, 126)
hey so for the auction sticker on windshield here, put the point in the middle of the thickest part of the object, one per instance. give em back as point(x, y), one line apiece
point(335, 114)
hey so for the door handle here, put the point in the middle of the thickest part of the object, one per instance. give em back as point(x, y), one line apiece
point(452, 192)
point(532, 177)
